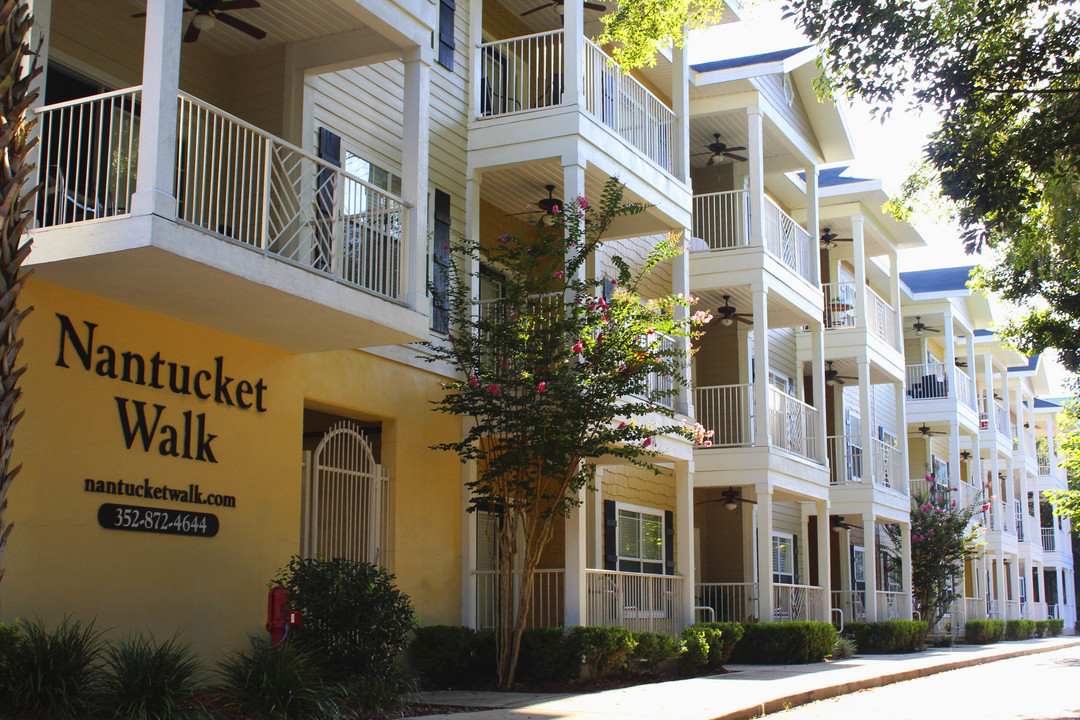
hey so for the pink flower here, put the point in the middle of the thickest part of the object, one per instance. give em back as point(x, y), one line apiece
point(931, 533)
point(554, 208)
point(450, 336)
point(502, 238)
point(494, 390)
point(474, 382)
point(541, 387)
point(707, 443)
point(647, 442)
point(582, 203)
point(622, 425)
point(578, 347)
point(650, 331)
point(622, 366)
point(558, 274)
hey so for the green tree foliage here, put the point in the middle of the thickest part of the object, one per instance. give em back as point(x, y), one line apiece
point(1004, 76)
point(942, 537)
point(639, 29)
point(553, 374)
point(1067, 502)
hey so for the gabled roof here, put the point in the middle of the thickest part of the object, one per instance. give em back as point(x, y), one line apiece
point(1048, 404)
point(834, 176)
point(937, 280)
point(981, 333)
point(748, 60)
point(1032, 365)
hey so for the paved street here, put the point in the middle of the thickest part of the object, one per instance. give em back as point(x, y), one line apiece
point(1036, 687)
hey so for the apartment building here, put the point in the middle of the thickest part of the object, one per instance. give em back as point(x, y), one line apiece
point(241, 209)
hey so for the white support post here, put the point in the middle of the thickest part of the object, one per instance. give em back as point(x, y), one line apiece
point(680, 285)
point(824, 534)
point(576, 598)
point(1006, 399)
point(988, 392)
point(858, 246)
point(414, 175)
point(468, 548)
point(761, 366)
point(597, 560)
point(999, 585)
point(905, 560)
point(573, 188)
point(817, 364)
point(870, 565)
point(756, 155)
point(684, 536)
point(573, 56)
point(866, 422)
point(764, 552)
point(156, 170)
point(680, 104)
point(901, 424)
point(971, 367)
point(993, 495)
point(950, 354)
point(39, 38)
point(894, 300)
point(476, 38)
point(954, 452)
point(812, 223)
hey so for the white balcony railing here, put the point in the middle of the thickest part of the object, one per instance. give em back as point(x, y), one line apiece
point(852, 603)
point(546, 604)
point(1012, 610)
point(881, 320)
point(893, 605)
point(936, 380)
point(727, 410)
point(1018, 514)
point(839, 305)
point(528, 73)
point(841, 311)
point(1001, 418)
point(975, 608)
point(233, 180)
point(1049, 540)
point(1042, 457)
point(635, 601)
point(730, 602)
point(797, 602)
point(722, 221)
point(792, 424)
point(849, 464)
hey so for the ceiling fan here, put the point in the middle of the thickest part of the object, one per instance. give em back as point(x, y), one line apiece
point(718, 149)
point(559, 4)
point(549, 206)
point(728, 315)
point(965, 455)
point(925, 431)
point(921, 327)
point(730, 498)
point(833, 377)
point(829, 238)
point(836, 522)
point(209, 12)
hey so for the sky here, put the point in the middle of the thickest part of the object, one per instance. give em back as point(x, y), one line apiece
point(888, 150)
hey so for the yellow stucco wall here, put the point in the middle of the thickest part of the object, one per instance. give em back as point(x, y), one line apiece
point(210, 589)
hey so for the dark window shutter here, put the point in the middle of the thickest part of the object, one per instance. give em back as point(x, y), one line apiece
point(330, 151)
point(669, 542)
point(795, 559)
point(446, 33)
point(440, 315)
point(611, 543)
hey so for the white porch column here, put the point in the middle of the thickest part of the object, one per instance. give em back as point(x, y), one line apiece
point(870, 565)
point(905, 560)
point(680, 104)
point(1014, 580)
point(988, 392)
point(684, 536)
point(470, 265)
point(971, 367)
point(824, 573)
point(1021, 436)
point(1006, 400)
point(1000, 596)
point(894, 300)
point(576, 596)
point(573, 57)
point(597, 559)
point(414, 174)
point(901, 435)
point(817, 364)
point(993, 494)
point(157, 124)
point(761, 366)
point(954, 452)
point(866, 423)
point(950, 353)
point(813, 221)
point(468, 548)
point(680, 285)
point(756, 155)
point(39, 33)
point(1051, 451)
point(858, 246)
point(573, 188)
point(764, 552)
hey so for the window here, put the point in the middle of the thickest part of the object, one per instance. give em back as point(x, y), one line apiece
point(783, 557)
point(641, 540)
point(372, 173)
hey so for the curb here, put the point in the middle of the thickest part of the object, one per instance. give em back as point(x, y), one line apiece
point(825, 693)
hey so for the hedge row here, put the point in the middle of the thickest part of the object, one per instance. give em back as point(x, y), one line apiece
point(984, 632)
point(785, 643)
point(889, 636)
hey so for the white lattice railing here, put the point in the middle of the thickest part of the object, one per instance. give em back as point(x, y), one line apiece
point(881, 319)
point(792, 424)
point(545, 606)
point(893, 605)
point(231, 179)
point(635, 601)
point(852, 603)
point(721, 220)
point(839, 305)
point(797, 602)
point(727, 410)
point(1012, 610)
point(730, 602)
point(788, 241)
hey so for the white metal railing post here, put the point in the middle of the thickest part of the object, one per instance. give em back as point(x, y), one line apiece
point(337, 236)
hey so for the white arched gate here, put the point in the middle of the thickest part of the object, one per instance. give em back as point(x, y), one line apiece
point(346, 499)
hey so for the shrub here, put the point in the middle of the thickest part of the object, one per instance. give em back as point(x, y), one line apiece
point(549, 654)
point(785, 643)
point(888, 636)
point(844, 648)
point(144, 679)
point(1055, 626)
point(1042, 628)
point(380, 696)
point(1019, 629)
point(283, 683)
point(603, 649)
point(651, 650)
point(445, 656)
point(355, 622)
point(695, 643)
point(942, 641)
point(58, 670)
point(983, 632)
point(730, 634)
point(9, 640)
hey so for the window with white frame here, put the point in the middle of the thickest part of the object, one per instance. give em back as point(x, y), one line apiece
point(783, 557)
point(641, 539)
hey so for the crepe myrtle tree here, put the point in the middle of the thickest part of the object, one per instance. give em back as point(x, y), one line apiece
point(942, 537)
point(562, 368)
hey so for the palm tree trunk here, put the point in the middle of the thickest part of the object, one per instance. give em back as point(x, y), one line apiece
point(17, 73)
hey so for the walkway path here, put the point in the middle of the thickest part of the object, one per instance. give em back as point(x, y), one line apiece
point(746, 691)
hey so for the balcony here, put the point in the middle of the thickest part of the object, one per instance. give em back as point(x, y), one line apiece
point(729, 411)
point(738, 602)
point(1001, 419)
point(1042, 457)
point(844, 323)
point(881, 467)
point(265, 241)
point(721, 226)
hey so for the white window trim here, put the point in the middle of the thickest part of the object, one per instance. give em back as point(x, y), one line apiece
point(790, 538)
point(644, 510)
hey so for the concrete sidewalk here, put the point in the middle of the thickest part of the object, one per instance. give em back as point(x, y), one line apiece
point(746, 691)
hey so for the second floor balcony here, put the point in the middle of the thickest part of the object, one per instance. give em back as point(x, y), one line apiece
point(880, 467)
point(876, 324)
point(730, 412)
